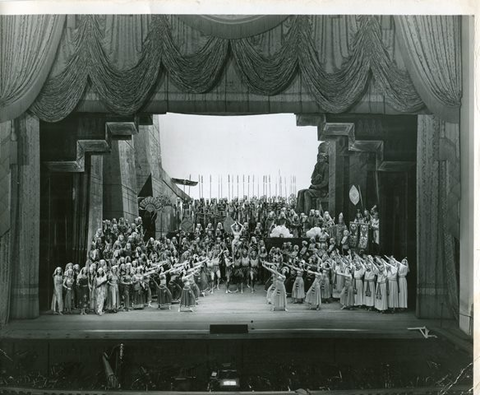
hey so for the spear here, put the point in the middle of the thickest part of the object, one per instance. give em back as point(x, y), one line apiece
point(190, 178)
point(270, 185)
point(228, 187)
point(285, 182)
point(248, 186)
point(238, 182)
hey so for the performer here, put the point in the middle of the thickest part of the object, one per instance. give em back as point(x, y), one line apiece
point(298, 287)
point(347, 296)
point(403, 270)
point(369, 285)
point(392, 285)
point(358, 273)
point(237, 230)
point(254, 265)
point(57, 300)
point(68, 286)
point(126, 281)
point(375, 224)
point(245, 262)
point(164, 296)
point(82, 286)
point(113, 291)
point(92, 275)
point(215, 268)
point(188, 298)
point(314, 294)
point(100, 290)
point(228, 270)
point(381, 297)
point(279, 296)
point(326, 275)
point(338, 280)
point(138, 289)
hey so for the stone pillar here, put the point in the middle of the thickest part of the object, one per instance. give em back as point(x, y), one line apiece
point(338, 136)
point(95, 203)
point(120, 182)
point(25, 219)
point(469, 161)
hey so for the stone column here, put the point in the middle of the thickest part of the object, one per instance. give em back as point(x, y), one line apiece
point(95, 203)
point(25, 219)
point(120, 182)
point(469, 161)
point(338, 135)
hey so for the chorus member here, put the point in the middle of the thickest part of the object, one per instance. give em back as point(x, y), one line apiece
point(392, 285)
point(381, 297)
point(188, 298)
point(164, 296)
point(245, 262)
point(92, 275)
point(228, 270)
point(327, 289)
point(369, 285)
point(82, 286)
point(314, 293)
point(279, 296)
point(338, 281)
point(347, 294)
point(100, 290)
point(403, 270)
point(358, 273)
point(113, 291)
point(254, 266)
point(237, 230)
point(57, 300)
point(126, 280)
point(138, 289)
point(68, 287)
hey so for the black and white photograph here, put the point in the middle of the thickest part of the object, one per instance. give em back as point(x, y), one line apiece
point(277, 202)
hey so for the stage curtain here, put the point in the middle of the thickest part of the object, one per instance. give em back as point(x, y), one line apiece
point(357, 55)
point(28, 46)
point(431, 49)
point(5, 223)
point(232, 26)
point(438, 163)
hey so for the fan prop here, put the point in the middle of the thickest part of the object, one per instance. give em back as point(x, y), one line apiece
point(153, 204)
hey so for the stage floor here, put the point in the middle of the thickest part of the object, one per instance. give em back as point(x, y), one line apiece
point(249, 309)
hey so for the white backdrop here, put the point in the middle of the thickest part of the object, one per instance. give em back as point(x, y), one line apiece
point(256, 145)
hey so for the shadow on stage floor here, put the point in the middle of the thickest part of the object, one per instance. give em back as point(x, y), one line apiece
point(248, 309)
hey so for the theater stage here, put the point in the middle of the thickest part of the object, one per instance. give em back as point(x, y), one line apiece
point(225, 309)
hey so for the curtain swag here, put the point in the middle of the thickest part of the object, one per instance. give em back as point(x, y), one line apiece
point(126, 91)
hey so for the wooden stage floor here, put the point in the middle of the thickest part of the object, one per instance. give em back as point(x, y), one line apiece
point(220, 308)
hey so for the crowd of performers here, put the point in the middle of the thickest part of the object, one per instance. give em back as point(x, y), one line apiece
point(263, 215)
point(125, 271)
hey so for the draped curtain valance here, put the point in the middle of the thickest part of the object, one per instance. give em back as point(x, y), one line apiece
point(124, 78)
point(28, 45)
